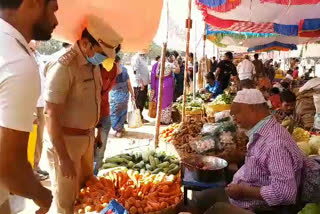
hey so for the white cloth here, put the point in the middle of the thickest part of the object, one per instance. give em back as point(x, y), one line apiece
point(311, 84)
point(246, 70)
point(19, 84)
point(141, 70)
point(40, 63)
point(249, 96)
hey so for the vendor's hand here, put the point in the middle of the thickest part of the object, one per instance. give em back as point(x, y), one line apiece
point(235, 191)
point(142, 87)
point(98, 141)
point(45, 202)
point(67, 168)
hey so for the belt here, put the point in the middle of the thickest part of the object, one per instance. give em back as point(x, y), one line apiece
point(77, 132)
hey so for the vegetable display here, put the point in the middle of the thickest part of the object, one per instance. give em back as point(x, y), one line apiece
point(168, 133)
point(223, 99)
point(312, 208)
point(300, 135)
point(150, 161)
point(137, 192)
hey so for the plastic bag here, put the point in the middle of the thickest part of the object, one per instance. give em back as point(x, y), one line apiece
point(222, 116)
point(209, 128)
point(203, 145)
point(134, 117)
point(114, 208)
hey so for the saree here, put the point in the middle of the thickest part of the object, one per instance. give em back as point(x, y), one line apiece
point(119, 98)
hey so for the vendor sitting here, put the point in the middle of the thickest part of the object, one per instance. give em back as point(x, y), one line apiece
point(213, 87)
point(272, 171)
point(288, 103)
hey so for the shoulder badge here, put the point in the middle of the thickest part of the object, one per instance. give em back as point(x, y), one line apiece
point(66, 58)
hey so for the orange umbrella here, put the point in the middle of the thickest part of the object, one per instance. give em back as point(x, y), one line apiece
point(136, 21)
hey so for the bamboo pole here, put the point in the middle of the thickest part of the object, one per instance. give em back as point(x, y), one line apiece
point(160, 94)
point(194, 91)
point(188, 25)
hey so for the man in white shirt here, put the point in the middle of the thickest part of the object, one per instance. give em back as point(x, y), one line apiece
point(246, 72)
point(141, 80)
point(20, 22)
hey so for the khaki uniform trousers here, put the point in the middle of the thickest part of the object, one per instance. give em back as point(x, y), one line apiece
point(39, 145)
point(64, 190)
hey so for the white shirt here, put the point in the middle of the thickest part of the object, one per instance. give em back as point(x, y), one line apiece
point(246, 70)
point(140, 66)
point(19, 80)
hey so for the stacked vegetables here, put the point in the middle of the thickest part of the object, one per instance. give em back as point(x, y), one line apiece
point(223, 99)
point(192, 106)
point(149, 161)
point(138, 192)
point(168, 133)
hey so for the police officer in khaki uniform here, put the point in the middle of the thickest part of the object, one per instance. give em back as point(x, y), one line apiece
point(73, 96)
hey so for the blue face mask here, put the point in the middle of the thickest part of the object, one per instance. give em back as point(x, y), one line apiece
point(97, 59)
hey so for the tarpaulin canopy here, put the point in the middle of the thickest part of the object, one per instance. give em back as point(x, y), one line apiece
point(136, 21)
point(256, 23)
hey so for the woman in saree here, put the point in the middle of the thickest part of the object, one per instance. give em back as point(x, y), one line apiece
point(119, 98)
point(171, 67)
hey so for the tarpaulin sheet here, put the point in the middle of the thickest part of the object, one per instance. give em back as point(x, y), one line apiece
point(136, 21)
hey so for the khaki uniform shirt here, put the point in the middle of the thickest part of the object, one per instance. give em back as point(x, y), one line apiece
point(77, 84)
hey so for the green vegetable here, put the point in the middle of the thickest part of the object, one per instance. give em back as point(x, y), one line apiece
point(157, 161)
point(163, 165)
point(165, 170)
point(139, 165)
point(109, 165)
point(130, 164)
point(156, 171)
point(172, 166)
point(152, 161)
point(142, 171)
point(149, 167)
point(310, 209)
point(174, 171)
point(117, 160)
point(126, 156)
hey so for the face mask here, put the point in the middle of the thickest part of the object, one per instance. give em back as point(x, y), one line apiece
point(97, 59)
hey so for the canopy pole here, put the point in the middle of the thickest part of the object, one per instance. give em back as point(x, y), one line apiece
point(161, 80)
point(205, 67)
point(160, 94)
point(195, 62)
point(188, 26)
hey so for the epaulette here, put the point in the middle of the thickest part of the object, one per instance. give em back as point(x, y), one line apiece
point(66, 58)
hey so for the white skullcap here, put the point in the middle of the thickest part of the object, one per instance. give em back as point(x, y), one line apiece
point(249, 96)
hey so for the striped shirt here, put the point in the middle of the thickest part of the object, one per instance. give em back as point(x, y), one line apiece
point(273, 163)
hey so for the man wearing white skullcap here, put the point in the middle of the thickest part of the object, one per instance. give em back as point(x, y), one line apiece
point(272, 171)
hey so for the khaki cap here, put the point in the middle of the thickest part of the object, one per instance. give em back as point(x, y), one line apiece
point(108, 38)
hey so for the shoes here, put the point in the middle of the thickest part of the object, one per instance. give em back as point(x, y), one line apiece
point(145, 121)
point(118, 134)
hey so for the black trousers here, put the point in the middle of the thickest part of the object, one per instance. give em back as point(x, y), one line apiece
point(140, 97)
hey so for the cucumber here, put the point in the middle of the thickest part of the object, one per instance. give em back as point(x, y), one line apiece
point(145, 156)
point(130, 164)
point(117, 160)
point(163, 165)
point(149, 167)
point(152, 162)
point(139, 165)
point(166, 170)
point(174, 171)
point(126, 156)
point(172, 166)
point(157, 161)
point(156, 171)
point(109, 165)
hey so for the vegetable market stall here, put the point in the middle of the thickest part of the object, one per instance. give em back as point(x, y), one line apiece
point(148, 182)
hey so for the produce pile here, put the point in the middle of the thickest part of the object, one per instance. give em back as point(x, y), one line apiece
point(186, 133)
point(167, 134)
point(223, 99)
point(192, 106)
point(312, 208)
point(149, 161)
point(310, 146)
point(137, 192)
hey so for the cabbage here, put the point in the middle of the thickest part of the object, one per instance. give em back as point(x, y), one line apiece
point(310, 209)
point(304, 147)
point(314, 144)
point(300, 135)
